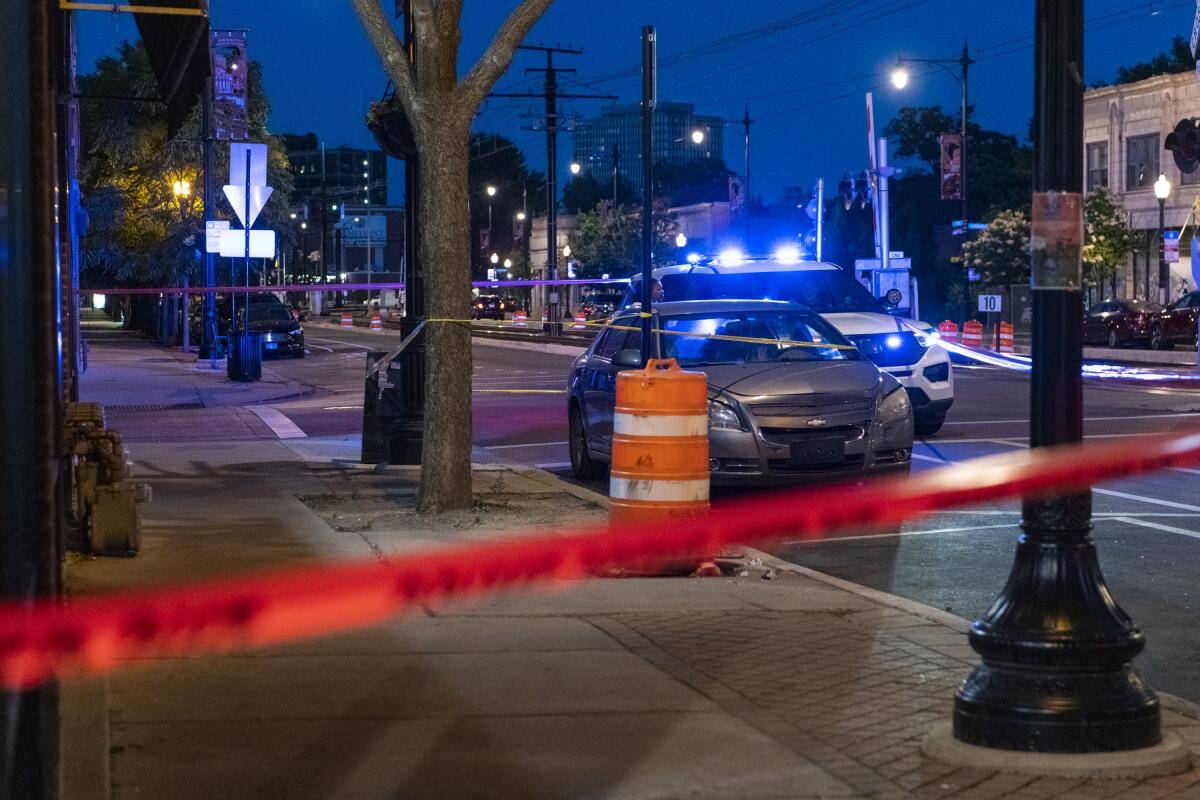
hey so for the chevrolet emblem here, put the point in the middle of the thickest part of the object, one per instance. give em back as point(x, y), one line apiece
point(815, 422)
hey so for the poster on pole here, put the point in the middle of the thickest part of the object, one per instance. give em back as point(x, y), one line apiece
point(1171, 246)
point(230, 69)
point(950, 145)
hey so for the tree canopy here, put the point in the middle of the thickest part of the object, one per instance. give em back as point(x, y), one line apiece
point(1177, 58)
point(498, 162)
point(609, 241)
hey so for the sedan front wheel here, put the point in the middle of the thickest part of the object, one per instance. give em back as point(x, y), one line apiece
point(583, 466)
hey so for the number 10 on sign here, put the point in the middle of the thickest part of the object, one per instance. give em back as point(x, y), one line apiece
point(989, 303)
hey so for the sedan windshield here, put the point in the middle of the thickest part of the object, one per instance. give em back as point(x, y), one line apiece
point(776, 335)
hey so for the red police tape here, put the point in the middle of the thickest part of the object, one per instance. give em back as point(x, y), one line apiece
point(90, 636)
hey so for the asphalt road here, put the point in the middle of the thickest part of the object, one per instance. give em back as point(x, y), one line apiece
point(1147, 528)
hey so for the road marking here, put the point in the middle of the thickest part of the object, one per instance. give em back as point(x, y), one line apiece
point(555, 465)
point(1158, 526)
point(518, 391)
point(920, 457)
point(894, 534)
point(340, 408)
point(319, 347)
point(1085, 419)
point(1174, 514)
point(527, 444)
point(339, 341)
point(278, 422)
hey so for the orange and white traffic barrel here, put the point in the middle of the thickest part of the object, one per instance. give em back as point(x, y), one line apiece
point(347, 319)
point(972, 333)
point(1006, 338)
point(580, 323)
point(660, 444)
point(520, 319)
point(948, 330)
point(376, 324)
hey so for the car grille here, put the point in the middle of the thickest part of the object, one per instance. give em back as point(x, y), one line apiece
point(800, 407)
point(786, 436)
point(782, 466)
point(906, 350)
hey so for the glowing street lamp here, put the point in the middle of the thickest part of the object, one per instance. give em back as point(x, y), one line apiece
point(680, 240)
point(900, 77)
point(181, 188)
point(520, 216)
point(495, 259)
point(575, 167)
point(697, 136)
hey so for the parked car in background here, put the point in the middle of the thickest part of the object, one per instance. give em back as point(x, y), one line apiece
point(487, 306)
point(802, 405)
point(1118, 323)
point(1176, 324)
point(510, 304)
point(281, 331)
point(600, 305)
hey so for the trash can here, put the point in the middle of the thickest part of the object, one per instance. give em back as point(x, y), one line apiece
point(245, 357)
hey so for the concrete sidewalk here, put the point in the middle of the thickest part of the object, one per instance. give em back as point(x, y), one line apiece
point(771, 682)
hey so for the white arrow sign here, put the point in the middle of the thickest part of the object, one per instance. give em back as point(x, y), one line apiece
point(233, 244)
point(237, 198)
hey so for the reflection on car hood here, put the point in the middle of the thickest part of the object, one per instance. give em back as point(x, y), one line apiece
point(854, 323)
point(272, 326)
point(793, 377)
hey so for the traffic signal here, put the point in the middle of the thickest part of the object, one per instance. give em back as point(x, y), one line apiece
point(862, 189)
point(1184, 144)
point(846, 190)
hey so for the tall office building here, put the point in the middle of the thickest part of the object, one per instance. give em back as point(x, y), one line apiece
point(339, 174)
point(617, 135)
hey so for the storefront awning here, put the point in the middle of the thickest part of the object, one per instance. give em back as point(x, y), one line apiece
point(177, 45)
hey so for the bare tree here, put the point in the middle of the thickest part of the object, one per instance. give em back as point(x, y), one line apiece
point(440, 108)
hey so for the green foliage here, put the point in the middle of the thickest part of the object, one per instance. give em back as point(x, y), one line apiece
point(139, 231)
point(1108, 242)
point(609, 240)
point(1178, 58)
point(497, 161)
point(1001, 251)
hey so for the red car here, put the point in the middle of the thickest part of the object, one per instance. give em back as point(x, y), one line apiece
point(1117, 323)
point(1176, 324)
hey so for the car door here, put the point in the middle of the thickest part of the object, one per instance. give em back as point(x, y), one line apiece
point(600, 387)
point(1187, 323)
point(1094, 323)
point(1178, 317)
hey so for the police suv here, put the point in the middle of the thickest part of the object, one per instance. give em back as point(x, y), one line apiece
point(904, 348)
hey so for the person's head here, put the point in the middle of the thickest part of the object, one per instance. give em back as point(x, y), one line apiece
point(656, 290)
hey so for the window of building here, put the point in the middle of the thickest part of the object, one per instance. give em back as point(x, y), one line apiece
point(1097, 166)
point(1141, 161)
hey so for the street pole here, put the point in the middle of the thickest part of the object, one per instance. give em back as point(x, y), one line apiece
point(1163, 269)
point(208, 346)
point(965, 63)
point(746, 155)
point(1057, 673)
point(648, 103)
point(553, 315)
point(616, 173)
point(885, 239)
point(820, 216)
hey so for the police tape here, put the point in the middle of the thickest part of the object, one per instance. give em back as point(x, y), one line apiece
point(370, 286)
point(46, 639)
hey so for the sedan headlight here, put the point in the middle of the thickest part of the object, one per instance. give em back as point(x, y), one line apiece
point(722, 415)
point(895, 406)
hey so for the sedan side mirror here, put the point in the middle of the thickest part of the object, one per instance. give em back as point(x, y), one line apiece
point(628, 358)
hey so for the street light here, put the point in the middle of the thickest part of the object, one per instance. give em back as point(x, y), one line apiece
point(181, 188)
point(491, 191)
point(900, 77)
point(1162, 190)
point(575, 167)
point(698, 136)
point(520, 216)
point(508, 263)
point(680, 240)
point(495, 259)
point(566, 251)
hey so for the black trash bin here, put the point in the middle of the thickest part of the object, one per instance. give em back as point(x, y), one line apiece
point(245, 357)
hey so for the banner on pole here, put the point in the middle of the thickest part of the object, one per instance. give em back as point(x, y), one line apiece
point(951, 148)
point(230, 71)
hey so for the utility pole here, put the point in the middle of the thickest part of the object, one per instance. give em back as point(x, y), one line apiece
point(649, 100)
point(616, 159)
point(1057, 673)
point(746, 121)
point(551, 95)
point(208, 340)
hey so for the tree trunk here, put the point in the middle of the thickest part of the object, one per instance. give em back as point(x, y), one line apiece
point(446, 259)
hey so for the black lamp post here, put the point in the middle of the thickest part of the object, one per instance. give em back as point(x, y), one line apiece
point(1162, 190)
point(1057, 673)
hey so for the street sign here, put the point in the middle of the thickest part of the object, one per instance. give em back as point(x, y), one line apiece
point(212, 234)
point(895, 254)
point(237, 163)
point(1171, 246)
point(237, 198)
point(233, 244)
point(991, 303)
point(1196, 31)
point(861, 264)
point(900, 262)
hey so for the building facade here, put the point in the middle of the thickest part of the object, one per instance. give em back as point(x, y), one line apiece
point(616, 137)
point(336, 174)
point(1124, 129)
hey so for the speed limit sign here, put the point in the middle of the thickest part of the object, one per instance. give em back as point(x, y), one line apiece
point(989, 303)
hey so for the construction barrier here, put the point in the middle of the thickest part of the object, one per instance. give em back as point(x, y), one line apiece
point(45, 639)
point(376, 324)
point(972, 333)
point(660, 444)
point(347, 319)
point(1006, 338)
point(520, 320)
point(948, 330)
point(580, 323)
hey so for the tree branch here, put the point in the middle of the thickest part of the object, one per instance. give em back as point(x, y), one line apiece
point(391, 52)
point(495, 60)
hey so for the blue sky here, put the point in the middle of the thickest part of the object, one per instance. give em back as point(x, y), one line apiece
point(803, 82)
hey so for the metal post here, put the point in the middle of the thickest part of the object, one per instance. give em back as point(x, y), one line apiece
point(616, 173)
point(746, 156)
point(885, 243)
point(648, 102)
point(962, 156)
point(1164, 290)
point(1057, 673)
point(820, 217)
point(30, 377)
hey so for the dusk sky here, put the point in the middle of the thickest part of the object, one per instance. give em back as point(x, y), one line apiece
point(803, 80)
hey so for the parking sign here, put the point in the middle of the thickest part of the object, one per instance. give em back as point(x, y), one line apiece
point(989, 303)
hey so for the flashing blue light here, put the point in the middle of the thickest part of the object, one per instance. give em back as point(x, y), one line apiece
point(731, 257)
point(788, 254)
point(893, 341)
point(694, 258)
